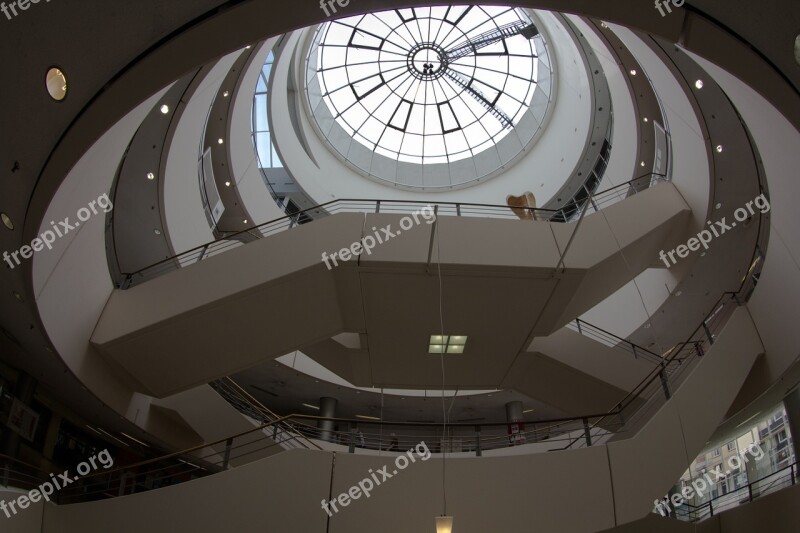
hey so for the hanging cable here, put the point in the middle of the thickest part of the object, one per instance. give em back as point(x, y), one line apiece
point(441, 358)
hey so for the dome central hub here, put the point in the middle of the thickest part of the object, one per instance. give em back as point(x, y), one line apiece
point(427, 61)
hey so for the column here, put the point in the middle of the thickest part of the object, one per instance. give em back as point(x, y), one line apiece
point(516, 427)
point(327, 408)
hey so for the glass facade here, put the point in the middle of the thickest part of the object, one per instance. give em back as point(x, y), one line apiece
point(262, 134)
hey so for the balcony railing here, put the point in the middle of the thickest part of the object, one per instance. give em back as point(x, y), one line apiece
point(589, 204)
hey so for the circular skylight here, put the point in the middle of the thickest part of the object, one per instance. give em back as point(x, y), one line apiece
point(428, 85)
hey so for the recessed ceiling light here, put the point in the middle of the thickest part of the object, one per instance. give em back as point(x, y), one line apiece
point(797, 49)
point(452, 344)
point(18, 296)
point(56, 83)
point(643, 163)
point(719, 148)
point(226, 94)
point(157, 231)
point(647, 326)
point(645, 119)
point(245, 221)
point(227, 183)
point(220, 141)
point(718, 206)
point(7, 221)
point(678, 293)
point(699, 84)
point(151, 176)
point(633, 72)
point(311, 406)
point(164, 109)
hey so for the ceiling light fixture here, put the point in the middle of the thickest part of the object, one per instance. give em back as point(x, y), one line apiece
point(452, 344)
point(56, 83)
point(7, 221)
point(633, 72)
point(227, 183)
point(367, 417)
point(311, 406)
point(220, 141)
point(699, 84)
point(164, 109)
point(719, 148)
point(151, 176)
point(157, 231)
point(526, 411)
point(444, 524)
point(226, 94)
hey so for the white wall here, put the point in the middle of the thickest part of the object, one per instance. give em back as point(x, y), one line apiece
point(629, 308)
point(72, 283)
point(775, 301)
point(244, 166)
point(186, 223)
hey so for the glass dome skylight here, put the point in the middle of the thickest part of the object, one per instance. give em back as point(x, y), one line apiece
point(428, 85)
point(430, 97)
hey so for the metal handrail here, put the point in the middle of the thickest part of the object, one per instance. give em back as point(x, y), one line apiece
point(778, 474)
point(200, 252)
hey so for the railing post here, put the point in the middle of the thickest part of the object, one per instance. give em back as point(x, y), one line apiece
point(792, 471)
point(203, 253)
point(352, 448)
point(710, 507)
point(227, 459)
point(478, 451)
point(708, 333)
point(750, 491)
point(588, 432)
point(635, 355)
point(664, 382)
point(458, 209)
point(123, 478)
point(378, 206)
point(578, 321)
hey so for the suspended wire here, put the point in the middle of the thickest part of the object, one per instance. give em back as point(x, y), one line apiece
point(441, 358)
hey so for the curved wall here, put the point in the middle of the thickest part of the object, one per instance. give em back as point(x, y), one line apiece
point(186, 222)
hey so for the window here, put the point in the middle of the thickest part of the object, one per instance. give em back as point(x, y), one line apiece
point(427, 85)
point(732, 446)
point(715, 453)
point(262, 137)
